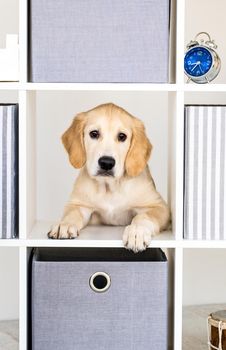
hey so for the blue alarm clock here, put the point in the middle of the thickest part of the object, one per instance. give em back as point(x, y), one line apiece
point(201, 62)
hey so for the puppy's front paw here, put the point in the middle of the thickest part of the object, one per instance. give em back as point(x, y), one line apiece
point(137, 237)
point(63, 230)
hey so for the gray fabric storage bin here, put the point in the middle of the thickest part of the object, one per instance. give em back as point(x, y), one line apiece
point(205, 172)
point(68, 314)
point(99, 41)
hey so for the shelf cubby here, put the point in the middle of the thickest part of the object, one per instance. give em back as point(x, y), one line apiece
point(213, 22)
point(204, 272)
point(49, 174)
point(9, 297)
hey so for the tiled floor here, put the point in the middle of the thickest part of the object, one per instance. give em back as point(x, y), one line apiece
point(9, 335)
point(195, 325)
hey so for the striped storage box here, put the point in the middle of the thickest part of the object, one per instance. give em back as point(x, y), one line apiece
point(8, 171)
point(205, 172)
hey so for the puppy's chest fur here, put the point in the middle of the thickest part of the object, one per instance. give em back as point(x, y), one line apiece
point(112, 207)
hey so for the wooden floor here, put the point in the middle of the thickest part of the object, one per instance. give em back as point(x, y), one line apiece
point(9, 335)
point(195, 325)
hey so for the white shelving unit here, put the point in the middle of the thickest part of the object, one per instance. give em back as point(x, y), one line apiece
point(34, 98)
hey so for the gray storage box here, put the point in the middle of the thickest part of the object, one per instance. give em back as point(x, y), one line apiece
point(9, 178)
point(205, 172)
point(99, 41)
point(68, 314)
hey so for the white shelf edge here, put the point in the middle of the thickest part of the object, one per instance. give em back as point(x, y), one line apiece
point(10, 86)
point(114, 243)
point(203, 244)
point(204, 87)
point(112, 87)
point(92, 243)
point(86, 86)
point(100, 86)
point(79, 243)
point(111, 243)
point(91, 236)
point(10, 242)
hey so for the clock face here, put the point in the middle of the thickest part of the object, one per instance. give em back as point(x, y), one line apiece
point(198, 61)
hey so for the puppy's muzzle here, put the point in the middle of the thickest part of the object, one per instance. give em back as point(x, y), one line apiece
point(106, 165)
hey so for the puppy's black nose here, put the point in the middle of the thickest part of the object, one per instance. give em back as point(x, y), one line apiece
point(106, 163)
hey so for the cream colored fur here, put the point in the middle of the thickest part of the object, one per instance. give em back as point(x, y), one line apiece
point(129, 197)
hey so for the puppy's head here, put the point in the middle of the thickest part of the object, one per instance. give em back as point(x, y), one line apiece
point(109, 141)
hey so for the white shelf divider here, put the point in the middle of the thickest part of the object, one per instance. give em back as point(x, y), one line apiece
point(23, 40)
point(180, 42)
point(22, 163)
point(30, 160)
point(23, 300)
point(178, 298)
point(27, 168)
point(179, 176)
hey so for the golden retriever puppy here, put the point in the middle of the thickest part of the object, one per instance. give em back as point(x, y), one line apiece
point(114, 186)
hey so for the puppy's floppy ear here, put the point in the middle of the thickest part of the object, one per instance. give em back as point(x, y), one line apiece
point(140, 150)
point(73, 141)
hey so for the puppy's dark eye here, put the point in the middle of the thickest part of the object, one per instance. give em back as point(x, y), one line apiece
point(94, 134)
point(122, 137)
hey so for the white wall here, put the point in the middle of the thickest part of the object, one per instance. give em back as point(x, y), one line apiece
point(55, 111)
point(205, 98)
point(8, 96)
point(208, 16)
point(9, 283)
point(204, 276)
point(9, 19)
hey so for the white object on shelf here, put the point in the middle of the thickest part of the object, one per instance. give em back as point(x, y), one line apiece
point(9, 59)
